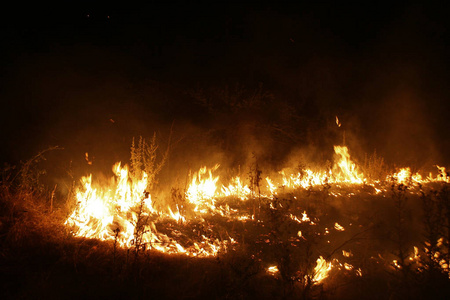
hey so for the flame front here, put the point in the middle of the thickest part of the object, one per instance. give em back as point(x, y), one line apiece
point(105, 213)
point(236, 189)
point(202, 189)
point(112, 211)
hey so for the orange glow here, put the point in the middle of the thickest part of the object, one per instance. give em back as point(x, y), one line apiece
point(273, 270)
point(110, 211)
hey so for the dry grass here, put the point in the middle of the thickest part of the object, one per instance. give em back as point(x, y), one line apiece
point(39, 258)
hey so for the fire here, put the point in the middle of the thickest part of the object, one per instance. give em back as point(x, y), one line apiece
point(176, 216)
point(338, 123)
point(113, 212)
point(271, 186)
point(273, 270)
point(344, 171)
point(202, 189)
point(305, 179)
point(122, 210)
point(338, 227)
point(237, 189)
point(406, 177)
point(102, 211)
point(347, 169)
point(348, 267)
point(321, 269)
point(347, 253)
point(443, 175)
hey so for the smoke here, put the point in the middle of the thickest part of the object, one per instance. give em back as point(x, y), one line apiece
point(260, 86)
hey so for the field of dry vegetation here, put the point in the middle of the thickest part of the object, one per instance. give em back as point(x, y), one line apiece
point(323, 241)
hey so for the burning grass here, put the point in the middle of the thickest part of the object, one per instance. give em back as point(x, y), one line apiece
point(331, 233)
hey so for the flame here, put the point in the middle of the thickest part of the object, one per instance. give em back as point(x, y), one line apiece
point(237, 189)
point(348, 170)
point(273, 270)
point(345, 171)
point(86, 157)
point(338, 227)
point(305, 179)
point(100, 212)
point(443, 175)
point(305, 217)
point(321, 269)
point(271, 186)
point(406, 177)
point(112, 212)
point(347, 253)
point(176, 216)
point(348, 267)
point(202, 189)
point(337, 122)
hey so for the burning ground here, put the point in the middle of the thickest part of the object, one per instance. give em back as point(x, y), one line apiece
point(322, 233)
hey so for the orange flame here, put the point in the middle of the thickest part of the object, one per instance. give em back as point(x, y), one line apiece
point(321, 269)
point(112, 211)
point(202, 189)
point(348, 170)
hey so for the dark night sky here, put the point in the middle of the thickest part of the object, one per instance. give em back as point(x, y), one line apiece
point(67, 69)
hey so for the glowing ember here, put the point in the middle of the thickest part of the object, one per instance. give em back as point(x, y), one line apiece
point(348, 267)
point(338, 227)
point(347, 253)
point(305, 217)
point(273, 270)
point(337, 122)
